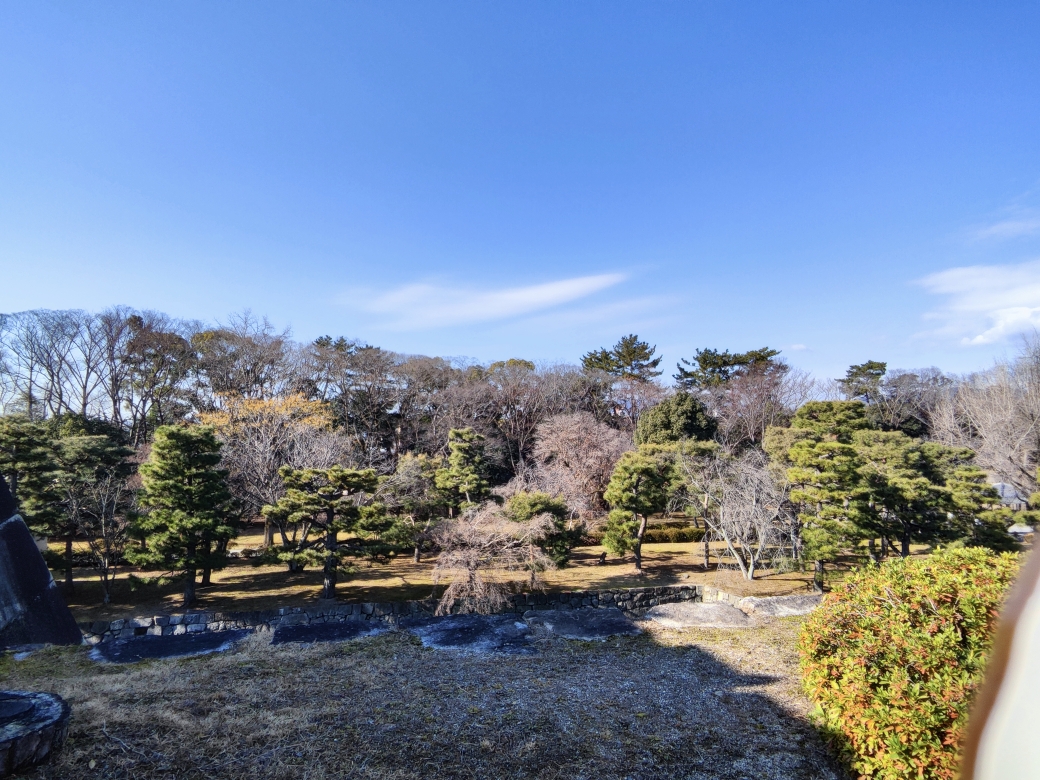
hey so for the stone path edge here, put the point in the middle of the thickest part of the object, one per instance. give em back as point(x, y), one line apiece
point(632, 601)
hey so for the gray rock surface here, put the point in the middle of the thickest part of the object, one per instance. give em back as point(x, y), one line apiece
point(694, 614)
point(128, 651)
point(473, 633)
point(328, 632)
point(33, 726)
point(586, 624)
point(32, 610)
point(780, 606)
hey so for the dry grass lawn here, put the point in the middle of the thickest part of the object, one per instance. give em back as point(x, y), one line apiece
point(243, 586)
point(693, 704)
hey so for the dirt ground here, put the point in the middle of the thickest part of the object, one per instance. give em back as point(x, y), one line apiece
point(692, 704)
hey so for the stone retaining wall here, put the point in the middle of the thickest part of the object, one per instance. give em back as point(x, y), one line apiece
point(632, 601)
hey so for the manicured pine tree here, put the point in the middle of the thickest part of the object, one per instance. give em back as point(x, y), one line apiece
point(679, 418)
point(463, 478)
point(191, 514)
point(327, 502)
point(638, 488)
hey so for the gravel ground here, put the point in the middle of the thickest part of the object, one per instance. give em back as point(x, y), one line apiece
point(699, 703)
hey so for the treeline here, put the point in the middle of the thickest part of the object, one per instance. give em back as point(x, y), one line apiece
point(348, 450)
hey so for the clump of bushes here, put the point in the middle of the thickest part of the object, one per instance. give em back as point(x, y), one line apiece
point(892, 659)
point(670, 534)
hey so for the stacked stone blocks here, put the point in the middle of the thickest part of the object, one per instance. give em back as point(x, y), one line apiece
point(633, 601)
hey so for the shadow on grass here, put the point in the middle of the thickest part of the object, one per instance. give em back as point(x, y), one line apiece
point(385, 707)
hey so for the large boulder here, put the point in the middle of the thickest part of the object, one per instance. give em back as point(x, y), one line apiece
point(696, 614)
point(32, 611)
point(780, 606)
point(582, 624)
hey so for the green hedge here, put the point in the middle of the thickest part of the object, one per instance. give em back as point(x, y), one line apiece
point(657, 535)
point(893, 656)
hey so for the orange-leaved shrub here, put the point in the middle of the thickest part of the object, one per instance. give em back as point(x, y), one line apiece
point(894, 655)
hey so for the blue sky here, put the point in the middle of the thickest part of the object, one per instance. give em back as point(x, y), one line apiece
point(841, 181)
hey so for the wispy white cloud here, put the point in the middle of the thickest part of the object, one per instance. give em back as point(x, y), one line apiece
point(797, 348)
point(427, 306)
point(1010, 228)
point(986, 303)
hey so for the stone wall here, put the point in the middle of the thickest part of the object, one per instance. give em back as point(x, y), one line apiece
point(632, 601)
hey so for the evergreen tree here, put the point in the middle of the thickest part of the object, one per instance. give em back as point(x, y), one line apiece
point(26, 461)
point(523, 507)
point(675, 419)
point(630, 358)
point(825, 486)
point(982, 521)
point(327, 502)
point(639, 487)
point(413, 494)
point(711, 368)
point(80, 464)
point(863, 382)
point(463, 478)
point(191, 512)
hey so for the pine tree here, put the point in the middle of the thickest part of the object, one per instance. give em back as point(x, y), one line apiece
point(326, 502)
point(630, 358)
point(675, 419)
point(191, 513)
point(463, 478)
point(523, 507)
point(711, 368)
point(27, 463)
point(638, 488)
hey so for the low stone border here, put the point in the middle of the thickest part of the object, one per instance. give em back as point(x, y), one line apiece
point(633, 601)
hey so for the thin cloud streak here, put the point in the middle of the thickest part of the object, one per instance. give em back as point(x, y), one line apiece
point(1010, 228)
point(428, 306)
point(986, 303)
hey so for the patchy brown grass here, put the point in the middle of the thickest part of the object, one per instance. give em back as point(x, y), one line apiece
point(668, 704)
point(242, 586)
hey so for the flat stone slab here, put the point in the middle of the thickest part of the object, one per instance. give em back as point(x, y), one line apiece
point(129, 651)
point(780, 606)
point(696, 614)
point(473, 633)
point(327, 632)
point(584, 624)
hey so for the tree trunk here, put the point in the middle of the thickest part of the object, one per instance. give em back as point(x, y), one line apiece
point(328, 588)
point(904, 550)
point(268, 533)
point(207, 547)
point(872, 551)
point(817, 581)
point(69, 585)
point(416, 554)
point(638, 549)
point(884, 547)
point(189, 588)
point(707, 550)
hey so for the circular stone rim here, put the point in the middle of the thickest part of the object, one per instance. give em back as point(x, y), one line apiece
point(35, 735)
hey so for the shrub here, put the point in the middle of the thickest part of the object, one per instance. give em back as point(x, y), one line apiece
point(892, 659)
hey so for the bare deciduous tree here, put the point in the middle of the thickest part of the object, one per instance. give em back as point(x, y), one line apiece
point(574, 456)
point(747, 508)
point(482, 552)
point(997, 414)
point(261, 436)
